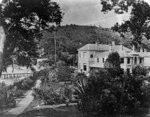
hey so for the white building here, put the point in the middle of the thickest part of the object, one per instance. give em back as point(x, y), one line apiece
point(95, 55)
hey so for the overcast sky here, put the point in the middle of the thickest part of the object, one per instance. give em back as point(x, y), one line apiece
point(88, 12)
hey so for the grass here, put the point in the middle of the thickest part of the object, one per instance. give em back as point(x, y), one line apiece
point(57, 112)
point(34, 103)
point(71, 111)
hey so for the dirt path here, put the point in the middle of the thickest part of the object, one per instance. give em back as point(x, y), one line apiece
point(22, 105)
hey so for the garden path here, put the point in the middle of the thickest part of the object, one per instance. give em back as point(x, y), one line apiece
point(24, 103)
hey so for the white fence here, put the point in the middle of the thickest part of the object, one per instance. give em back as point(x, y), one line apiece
point(15, 75)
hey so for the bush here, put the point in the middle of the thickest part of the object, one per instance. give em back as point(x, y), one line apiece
point(26, 83)
point(107, 95)
point(139, 70)
point(48, 96)
point(18, 93)
point(53, 93)
point(6, 97)
point(64, 73)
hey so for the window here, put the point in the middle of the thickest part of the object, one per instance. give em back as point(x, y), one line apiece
point(128, 60)
point(103, 60)
point(91, 55)
point(122, 60)
point(135, 60)
point(140, 60)
point(97, 60)
point(84, 67)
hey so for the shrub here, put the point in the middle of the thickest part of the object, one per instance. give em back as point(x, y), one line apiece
point(64, 73)
point(53, 93)
point(25, 84)
point(48, 96)
point(139, 70)
point(107, 95)
point(6, 97)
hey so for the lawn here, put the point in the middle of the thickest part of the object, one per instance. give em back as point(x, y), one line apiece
point(57, 112)
point(67, 112)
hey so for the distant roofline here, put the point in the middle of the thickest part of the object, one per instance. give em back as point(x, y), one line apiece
point(83, 47)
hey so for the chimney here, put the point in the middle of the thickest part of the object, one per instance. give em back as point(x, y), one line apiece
point(141, 49)
point(133, 48)
point(97, 44)
point(113, 43)
point(121, 47)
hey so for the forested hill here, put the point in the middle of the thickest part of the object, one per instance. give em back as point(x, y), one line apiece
point(87, 34)
point(69, 38)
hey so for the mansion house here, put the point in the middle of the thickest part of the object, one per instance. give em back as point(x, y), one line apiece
point(95, 55)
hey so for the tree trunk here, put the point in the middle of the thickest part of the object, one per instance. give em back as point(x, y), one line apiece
point(2, 41)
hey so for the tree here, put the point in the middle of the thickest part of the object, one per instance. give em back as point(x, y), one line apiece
point(112, 64)
point(119, 6)
point(107, 95)
point(139, 71)
point(138, 23)
point(113, 60)
point(64, 73)
point(21, 22)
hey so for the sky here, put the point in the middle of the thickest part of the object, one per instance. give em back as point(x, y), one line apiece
point(88, 12)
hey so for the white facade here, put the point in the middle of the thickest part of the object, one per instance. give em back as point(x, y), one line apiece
point(95, 55)
point(85, 60)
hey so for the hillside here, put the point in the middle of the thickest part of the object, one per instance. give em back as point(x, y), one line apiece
point(69, 38)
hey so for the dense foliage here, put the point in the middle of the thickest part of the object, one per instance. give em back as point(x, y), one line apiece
point(70, 38)
point(138, 23)
point(53, 89)
point(22, 22)
point(53, 93)
point(110, 93)
point(8, 94)
point(48, 95)
point(113, 60)
point(26, 83)
point(64, 73)
point(107, 95)
point(119, 6)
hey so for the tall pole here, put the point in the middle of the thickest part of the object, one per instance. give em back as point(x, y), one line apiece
point(55, 48)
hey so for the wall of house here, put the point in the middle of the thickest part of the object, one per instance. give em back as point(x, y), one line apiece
point(127, 64)
point(146, 61)
point(88, 58)
point(100, 61)
point(85, 58)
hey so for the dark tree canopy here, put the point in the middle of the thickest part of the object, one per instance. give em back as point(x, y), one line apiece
point(113, 60)
point(119, 6)
point(138, 23)
point(23, 20)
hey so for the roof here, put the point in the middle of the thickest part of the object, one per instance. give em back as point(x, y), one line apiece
point(103, 54)
point(95, 47)
point(105, 47)
point(121, 54)
point(145, 54)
